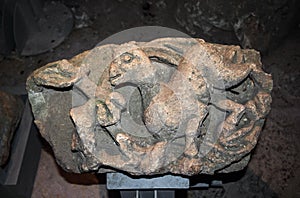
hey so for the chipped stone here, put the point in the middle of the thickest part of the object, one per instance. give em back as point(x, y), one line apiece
point(171, 105)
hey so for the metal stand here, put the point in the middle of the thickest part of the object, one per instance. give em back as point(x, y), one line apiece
point(148, 194)
point(141, 187)
point(163, 186)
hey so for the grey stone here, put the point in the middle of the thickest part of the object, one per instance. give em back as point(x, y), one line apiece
point(11, 108)
point(171, 105)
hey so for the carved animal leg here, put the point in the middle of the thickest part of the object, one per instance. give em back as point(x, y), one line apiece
point(249, 144)
point(234, 74)
point(147, 157)
point(191, 148)
point(263, 79)
point(236, 109)
point(259, 107)
point(234, 152)
point(109, 112)
point(233, 140)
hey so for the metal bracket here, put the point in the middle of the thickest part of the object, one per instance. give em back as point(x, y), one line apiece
point(119, 181)
point(153, 186)
point(146, 187)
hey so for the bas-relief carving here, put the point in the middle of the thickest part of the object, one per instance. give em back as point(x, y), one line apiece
point(175, 105)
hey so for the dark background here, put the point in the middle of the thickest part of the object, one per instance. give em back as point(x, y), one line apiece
point(272, 27)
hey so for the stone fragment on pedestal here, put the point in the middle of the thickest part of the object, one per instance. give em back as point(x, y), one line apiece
point(171, 105)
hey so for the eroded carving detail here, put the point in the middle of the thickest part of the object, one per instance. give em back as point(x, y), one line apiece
point(175, 105)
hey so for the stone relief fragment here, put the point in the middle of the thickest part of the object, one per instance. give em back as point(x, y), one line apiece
point(171, 105)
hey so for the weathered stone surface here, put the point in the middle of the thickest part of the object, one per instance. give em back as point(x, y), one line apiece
point(177, 105)
point(11, 108)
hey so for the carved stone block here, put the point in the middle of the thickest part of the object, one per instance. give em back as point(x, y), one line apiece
point(171, 105)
